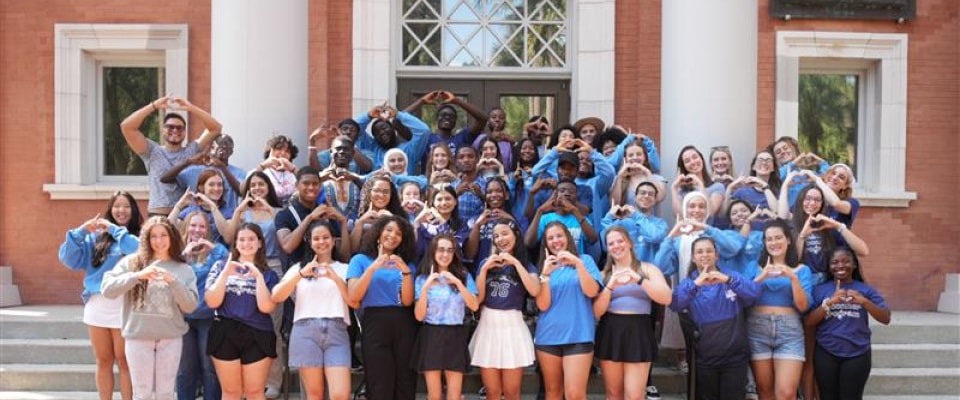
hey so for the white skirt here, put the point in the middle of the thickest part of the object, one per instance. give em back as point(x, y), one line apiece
point(502, 340)
point(102, 312)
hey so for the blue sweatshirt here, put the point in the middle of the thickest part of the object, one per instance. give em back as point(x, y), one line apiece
point(616, 158)
point(646, 231)
point(414, 148)
point(668, 256)
point(748, 254)
point(716, 310)
point(77, 250)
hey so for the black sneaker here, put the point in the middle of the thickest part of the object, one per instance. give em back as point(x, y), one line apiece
point(653, 393)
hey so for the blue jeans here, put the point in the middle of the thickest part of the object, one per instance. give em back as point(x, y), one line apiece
point(195, 364)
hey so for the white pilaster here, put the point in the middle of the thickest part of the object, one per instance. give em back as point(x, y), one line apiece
point(709, 79)
point(258, 73)
point(374, 78)
point(593, 85)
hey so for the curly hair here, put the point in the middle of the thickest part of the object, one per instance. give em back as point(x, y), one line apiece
point(370, 241)
point(145, 253)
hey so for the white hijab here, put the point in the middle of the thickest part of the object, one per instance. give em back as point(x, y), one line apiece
point(686, 240)
point(386, 156)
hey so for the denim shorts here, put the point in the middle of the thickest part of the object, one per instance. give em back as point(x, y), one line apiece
point(776, 336)
point(320, 342)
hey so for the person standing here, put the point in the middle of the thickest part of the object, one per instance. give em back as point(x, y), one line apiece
point(161, 158)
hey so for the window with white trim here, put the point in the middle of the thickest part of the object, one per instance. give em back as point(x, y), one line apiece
point(104, 72)
point(878, 64)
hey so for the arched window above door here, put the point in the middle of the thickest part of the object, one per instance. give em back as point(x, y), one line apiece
point(485, 34)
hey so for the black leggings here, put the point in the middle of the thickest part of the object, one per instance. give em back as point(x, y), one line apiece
point(839, 377)
point(721, 383)
point(387, 340)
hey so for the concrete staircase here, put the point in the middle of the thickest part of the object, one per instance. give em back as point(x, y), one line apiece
point(45, 354)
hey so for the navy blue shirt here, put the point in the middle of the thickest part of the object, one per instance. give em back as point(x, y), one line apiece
point(845, 331)
point(504, 289)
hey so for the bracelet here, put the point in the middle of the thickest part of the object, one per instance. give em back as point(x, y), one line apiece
point(406, 273)
point(154, 106)
point(544, 278)
point(842, 228)
point(300, 272)
point(640, 282)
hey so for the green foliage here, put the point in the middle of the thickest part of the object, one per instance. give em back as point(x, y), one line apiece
point(828, 115)
point(126, 90)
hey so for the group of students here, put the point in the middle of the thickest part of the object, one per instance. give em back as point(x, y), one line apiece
point(412, 235)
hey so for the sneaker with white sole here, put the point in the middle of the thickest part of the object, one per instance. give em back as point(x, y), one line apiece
point(271, 393)
point(653, 393)
point(752, 392)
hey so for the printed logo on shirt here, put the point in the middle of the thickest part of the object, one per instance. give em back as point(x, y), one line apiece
point(157, 301)
point(844, 310)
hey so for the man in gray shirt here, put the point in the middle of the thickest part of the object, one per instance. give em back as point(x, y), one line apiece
point(160, 158)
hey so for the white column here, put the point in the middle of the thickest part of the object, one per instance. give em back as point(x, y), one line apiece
point(373, 62)
point(258, 74)
point(709, 79)
point(594, 60)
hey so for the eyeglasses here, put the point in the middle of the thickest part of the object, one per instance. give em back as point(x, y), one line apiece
point(173, 127)
point(768, 161)
point(649, 193)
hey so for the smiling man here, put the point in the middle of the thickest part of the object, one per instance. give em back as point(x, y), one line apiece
point(160, 158)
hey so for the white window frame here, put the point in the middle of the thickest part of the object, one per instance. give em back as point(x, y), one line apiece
point(591, 68)
point(148, 60)
point(79, 51)
point(883, 102)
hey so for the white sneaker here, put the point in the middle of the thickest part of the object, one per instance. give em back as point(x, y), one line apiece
point(272, 393)
point(653, 393)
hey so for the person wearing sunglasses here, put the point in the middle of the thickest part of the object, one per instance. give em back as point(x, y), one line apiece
point(177, 146)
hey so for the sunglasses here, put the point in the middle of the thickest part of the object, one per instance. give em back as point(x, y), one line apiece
point(173, 127)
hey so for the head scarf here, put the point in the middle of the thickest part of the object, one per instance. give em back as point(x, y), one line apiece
point(686, 240)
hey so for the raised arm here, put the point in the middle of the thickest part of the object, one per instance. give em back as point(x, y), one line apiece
point(211, 126)
point(130, 127)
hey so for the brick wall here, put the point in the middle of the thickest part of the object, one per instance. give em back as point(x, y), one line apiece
point(912, 248)
point(330, 62)
point(638, 66)
point(32, 226)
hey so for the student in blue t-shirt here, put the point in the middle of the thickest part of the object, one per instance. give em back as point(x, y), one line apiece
point(562, 207)
point(380, 280)
point(444, 290)
point(565, 329)
point(209, 198)
point(774, 326)
point(842, 355)
point(242, 342)
point(502, 344)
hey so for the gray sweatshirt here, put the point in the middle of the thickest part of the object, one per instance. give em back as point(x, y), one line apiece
point(164, 305)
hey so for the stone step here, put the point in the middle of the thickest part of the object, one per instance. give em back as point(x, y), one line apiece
point(80, 377)
point(43, 322)
point(46, 351)
point(917, 327)
point(892, 381)
point(916, 355)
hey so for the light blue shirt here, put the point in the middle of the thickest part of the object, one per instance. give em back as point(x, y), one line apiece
point(569, 319)
point(445, 305)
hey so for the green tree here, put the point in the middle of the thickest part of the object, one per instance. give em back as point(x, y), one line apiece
point(828, 114)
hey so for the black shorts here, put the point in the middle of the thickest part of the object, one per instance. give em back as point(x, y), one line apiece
point(231, 340)
point(626, 338)
point(563, 350)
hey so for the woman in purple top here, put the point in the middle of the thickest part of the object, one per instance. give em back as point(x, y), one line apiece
point(502, 345)
point(842, 354)
point(242, 342)
point(626, 344)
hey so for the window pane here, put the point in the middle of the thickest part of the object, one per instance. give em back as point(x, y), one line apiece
point(126, 90)
point(519, 109)
point(829, 115)
point(484, 33)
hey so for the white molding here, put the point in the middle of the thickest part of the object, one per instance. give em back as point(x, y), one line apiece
point(374, 74)
point(66, 191)
point(77, 49)
point(884, 102)
point(593, 83)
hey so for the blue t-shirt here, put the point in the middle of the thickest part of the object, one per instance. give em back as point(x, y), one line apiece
point(445, 305)
point(240, 299)
point(569, 220)
point(845, 331)
point(778, 292)
point(505, 290)
point(569, 319)
point(814, 253)
point(384, 288)
point(202, 271)
point(188, 178)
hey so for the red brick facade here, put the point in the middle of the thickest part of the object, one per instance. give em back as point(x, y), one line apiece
point(911, 248)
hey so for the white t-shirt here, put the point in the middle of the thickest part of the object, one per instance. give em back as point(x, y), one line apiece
point(319, 297)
